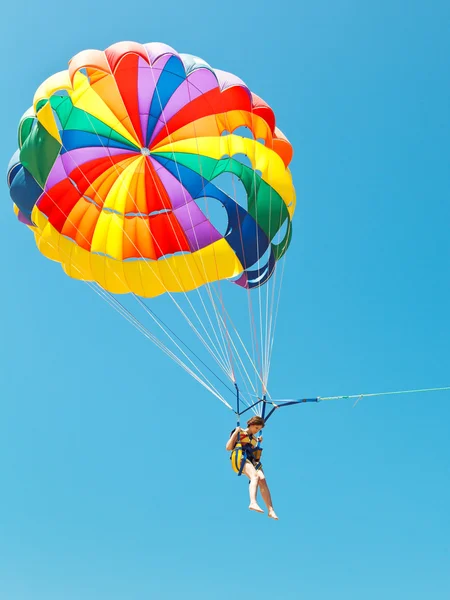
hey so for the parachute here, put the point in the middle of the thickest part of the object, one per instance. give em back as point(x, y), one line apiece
point(148, 173)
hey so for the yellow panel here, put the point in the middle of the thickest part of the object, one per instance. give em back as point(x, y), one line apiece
point(46, 117)
point(262, 158)
point(58, 81)
point(108, 234)
point(214, 125)
point(148, 278)
point(100, 240)
point(106, 87)
point(84, 98)
point(123, 186)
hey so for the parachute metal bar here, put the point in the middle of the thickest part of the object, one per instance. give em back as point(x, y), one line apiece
point(274, 405)
point(263, 414)
point(237, 404)
point(250, 407)
point(288, 403)
point(262, 401)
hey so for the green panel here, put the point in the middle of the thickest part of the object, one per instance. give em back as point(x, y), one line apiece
point(41, 104)
point(280, 249)
point(63, 106)
point(73, 118)
point(263, 201)
point(25, 129)
point(39, 152)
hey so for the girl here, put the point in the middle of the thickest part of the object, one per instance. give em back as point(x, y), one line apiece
point(252, 467)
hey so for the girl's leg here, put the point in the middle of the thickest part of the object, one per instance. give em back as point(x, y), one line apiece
point(265, 493)
point(252, 474)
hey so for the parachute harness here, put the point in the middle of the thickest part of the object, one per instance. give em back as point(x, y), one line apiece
point(242, 452)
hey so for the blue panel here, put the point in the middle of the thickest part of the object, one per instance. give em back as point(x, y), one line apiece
point(256, 273)
point(169, 81)
point(246, 238)
point(24, 191)
point(13, 167)
point(73, 139)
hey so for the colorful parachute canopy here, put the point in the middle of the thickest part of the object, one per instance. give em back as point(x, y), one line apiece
point(117, 154)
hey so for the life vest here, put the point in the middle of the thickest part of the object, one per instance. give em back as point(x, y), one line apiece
point(246, 448)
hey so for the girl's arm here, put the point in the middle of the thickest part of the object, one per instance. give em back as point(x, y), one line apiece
point(232, 441)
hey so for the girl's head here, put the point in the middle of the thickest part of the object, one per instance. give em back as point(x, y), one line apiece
point(255, 424)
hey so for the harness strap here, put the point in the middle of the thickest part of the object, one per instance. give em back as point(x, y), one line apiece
point(243, 461)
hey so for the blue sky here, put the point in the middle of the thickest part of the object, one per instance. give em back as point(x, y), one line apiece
point(115, 482)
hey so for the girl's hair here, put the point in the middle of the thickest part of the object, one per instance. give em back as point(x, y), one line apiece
point(256, 421)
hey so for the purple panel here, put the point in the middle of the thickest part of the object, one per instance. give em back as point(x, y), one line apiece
point(199, 82)
point(227, 80)
point(24, 219)
point(57, 174)
point(199, 231)
point(202, 235)
point(147, 79)
point(178, 195)
point(157, 49)
point(67, 162)
point(242, 281)
point(189, 215)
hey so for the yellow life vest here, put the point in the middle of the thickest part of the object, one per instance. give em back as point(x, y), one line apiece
point(246, 448)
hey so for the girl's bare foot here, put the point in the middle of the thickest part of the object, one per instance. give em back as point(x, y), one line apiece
point(255, 507)
point(272, 514)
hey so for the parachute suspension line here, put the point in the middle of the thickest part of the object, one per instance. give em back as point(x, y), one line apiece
point(244, 348)
point(261, 353)
point(214, 355)
point(112, 301)
point(222, 323)
point(270, 334)
point(274, 315)
point(269, 283)
point(138, 325)
point(128, 316)
point(190, 217)
point(253, 334)
point(169, 332)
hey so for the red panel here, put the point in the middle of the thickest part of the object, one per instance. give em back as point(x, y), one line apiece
point(80, 225)
point(167, 235)
point(262, 109)
point(156, 194)
point(126, 75)
point(58, 202)
point(213, 102)
point(115, 52)
point(85, 175)
point(137, 239)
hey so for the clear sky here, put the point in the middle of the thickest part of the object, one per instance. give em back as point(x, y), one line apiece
point(114, 479)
